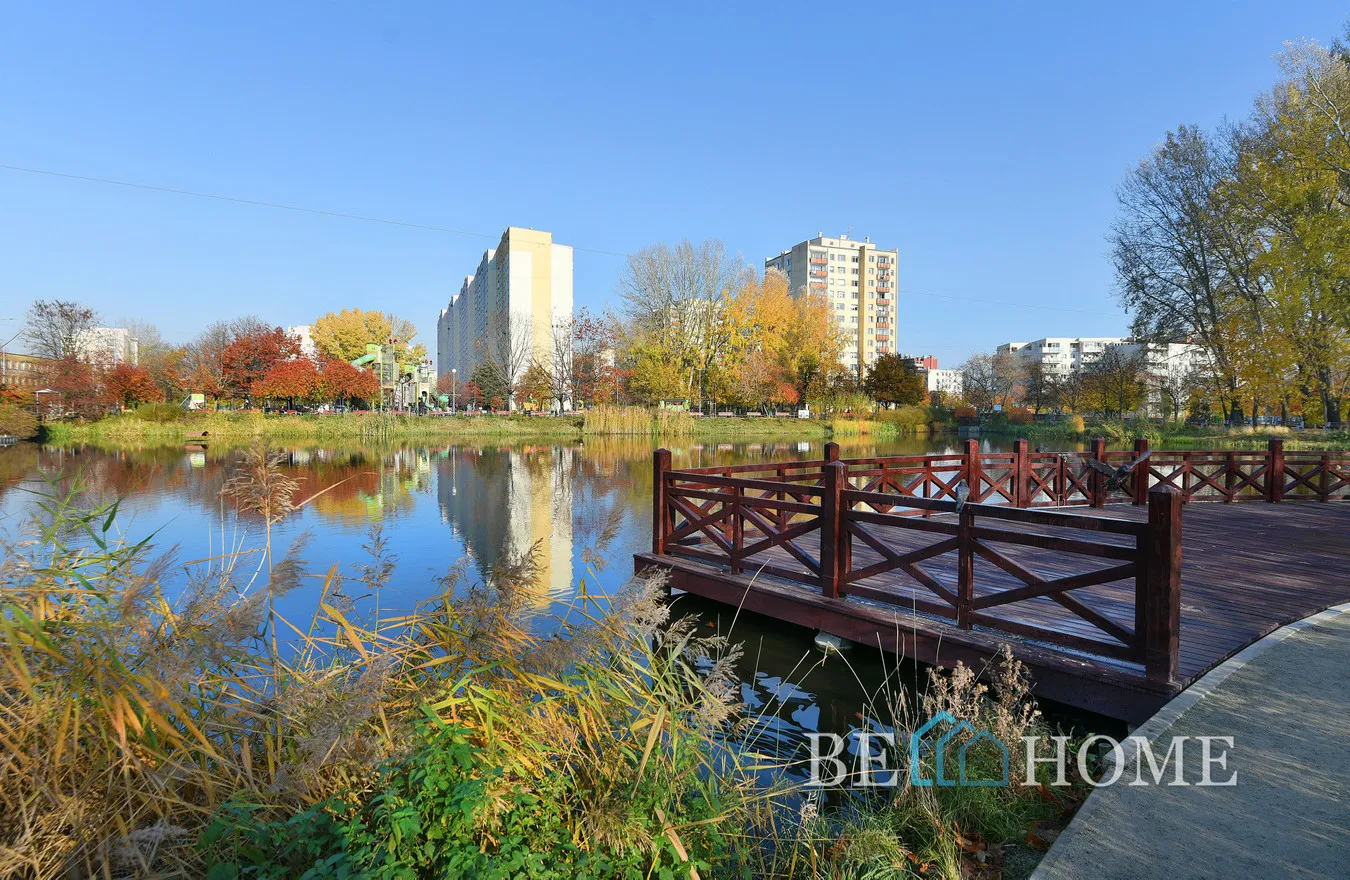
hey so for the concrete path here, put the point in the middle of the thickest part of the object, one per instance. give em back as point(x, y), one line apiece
point(1285, 700)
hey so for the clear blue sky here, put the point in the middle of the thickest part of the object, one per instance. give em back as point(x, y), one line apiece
point(984, 143)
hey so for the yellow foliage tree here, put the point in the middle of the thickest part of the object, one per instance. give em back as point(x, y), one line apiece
point(344, 335)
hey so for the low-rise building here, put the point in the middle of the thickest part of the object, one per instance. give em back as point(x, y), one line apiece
point(947, 382)
point(24, 373)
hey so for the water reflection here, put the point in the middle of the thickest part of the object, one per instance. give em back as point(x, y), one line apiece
point(437, 505)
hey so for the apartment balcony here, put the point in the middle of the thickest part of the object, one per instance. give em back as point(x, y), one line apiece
point(818, 261)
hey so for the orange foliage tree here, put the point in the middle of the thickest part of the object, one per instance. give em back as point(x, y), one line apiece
point(340, 382)
point(128, 385)
point(295, 380)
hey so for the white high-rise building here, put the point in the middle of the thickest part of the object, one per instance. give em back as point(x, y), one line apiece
point(107, 347)
point(859, 281)
point(507, 309)
point(303, 334)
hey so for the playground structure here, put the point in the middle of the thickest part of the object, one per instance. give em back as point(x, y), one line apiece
point(403, 386)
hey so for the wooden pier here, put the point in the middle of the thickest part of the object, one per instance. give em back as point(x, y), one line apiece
point(1112, 602)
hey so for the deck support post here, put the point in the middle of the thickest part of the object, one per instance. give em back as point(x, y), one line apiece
point(973, 469)
point(660, 515)
point(1021, 474)
point(832, 530)
point(965, 567)
point(1157, 601)
point(1275, 471)
point(1140, 472)
point(1098, 481)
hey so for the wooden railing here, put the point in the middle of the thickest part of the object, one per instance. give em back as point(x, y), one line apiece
point(889, 529)
point(1022, 478)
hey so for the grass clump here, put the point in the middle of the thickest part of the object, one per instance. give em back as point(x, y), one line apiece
point(15, 421)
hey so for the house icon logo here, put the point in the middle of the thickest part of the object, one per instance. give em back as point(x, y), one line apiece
point(939, 747)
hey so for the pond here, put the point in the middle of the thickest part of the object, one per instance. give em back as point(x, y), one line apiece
point(436, 505)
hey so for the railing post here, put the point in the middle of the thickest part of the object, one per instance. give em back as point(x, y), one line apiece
point(1324, 484)
point(831, 451)
point(1097, 480)
point(660, 515)
point(1275, 471)
point(831, 529)
point(965, 567)
point(1157, 601)
point(1021, 474)
point(973, 469)
point(1140, 472)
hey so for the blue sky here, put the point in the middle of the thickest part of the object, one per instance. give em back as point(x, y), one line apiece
point(982, 141)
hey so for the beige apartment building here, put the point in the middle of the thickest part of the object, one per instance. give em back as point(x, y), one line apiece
point(859, 281)
point(507, 309)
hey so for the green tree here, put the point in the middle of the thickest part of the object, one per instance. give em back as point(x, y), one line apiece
point(893, 379)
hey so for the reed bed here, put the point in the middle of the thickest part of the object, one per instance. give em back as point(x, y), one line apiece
point(637, 421)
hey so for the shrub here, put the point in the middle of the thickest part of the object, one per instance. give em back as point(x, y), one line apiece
point(966, 412)
point(17, 421)
point(160, 413)
point(906, 419)
point(1020, 415)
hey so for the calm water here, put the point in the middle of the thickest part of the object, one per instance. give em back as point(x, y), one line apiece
point(438, 505)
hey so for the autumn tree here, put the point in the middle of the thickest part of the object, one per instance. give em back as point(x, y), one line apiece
point(1115, 381)
point(78, 387)
point(250, 357)
point(1037, 387)
point(893, 379)
point(345, 334)
point(988, 379)
point(340, 382)
point(293, 380)
point(127, 385)
point(535, 386)
point(53, 326)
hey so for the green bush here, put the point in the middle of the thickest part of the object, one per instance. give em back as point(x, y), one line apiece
point(426, 815)
point(17, 421)
point(160, 413)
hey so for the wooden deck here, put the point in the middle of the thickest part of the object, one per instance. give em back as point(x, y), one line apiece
point(1081, 595)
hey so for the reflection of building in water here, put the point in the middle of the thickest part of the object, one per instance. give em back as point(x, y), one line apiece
point(508, 500)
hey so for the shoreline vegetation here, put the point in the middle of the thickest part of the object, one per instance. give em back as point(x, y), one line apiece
point(159, 425)
point(168, 425)
point(174, 734)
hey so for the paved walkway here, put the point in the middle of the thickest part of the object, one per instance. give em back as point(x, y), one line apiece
point(1286, 702)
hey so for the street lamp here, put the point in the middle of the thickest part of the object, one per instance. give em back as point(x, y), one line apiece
point(453, 382)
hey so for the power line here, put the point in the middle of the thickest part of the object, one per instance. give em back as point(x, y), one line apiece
point(996, 302)
point(427, 228)
point(261, 204)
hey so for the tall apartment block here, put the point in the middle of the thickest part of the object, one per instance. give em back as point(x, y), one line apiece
point(509, 305)
point(858, 279)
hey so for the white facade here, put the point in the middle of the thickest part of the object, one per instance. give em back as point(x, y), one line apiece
point(1062, 356)
point(107, 347)
point(859, 281)
point(303, 334)
point(508, 308)
point(948, 382)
